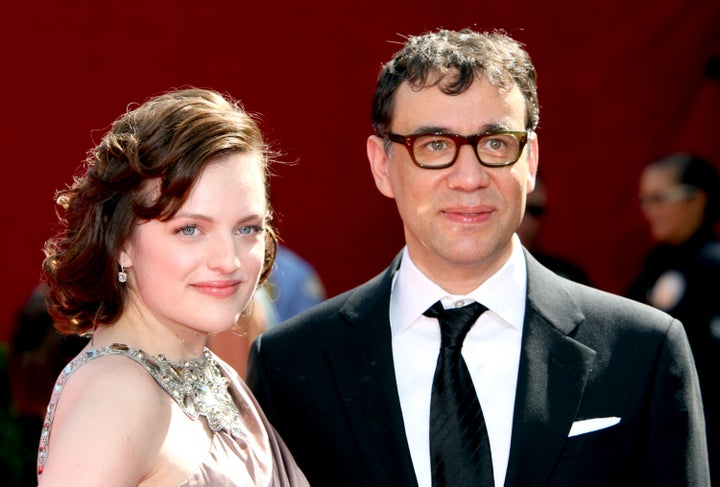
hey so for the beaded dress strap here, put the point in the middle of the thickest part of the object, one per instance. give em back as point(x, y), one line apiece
point(197, 386)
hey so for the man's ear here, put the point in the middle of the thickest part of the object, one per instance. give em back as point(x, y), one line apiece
point(533, 156)
point(378, 158)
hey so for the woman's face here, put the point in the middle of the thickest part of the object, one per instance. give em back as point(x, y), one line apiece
point(674, 212)
point(199, 269)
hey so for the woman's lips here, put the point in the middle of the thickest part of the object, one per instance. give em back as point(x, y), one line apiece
point(221, 289)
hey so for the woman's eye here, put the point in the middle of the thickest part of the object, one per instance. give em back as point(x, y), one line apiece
point(188, 230)
point(251, 229)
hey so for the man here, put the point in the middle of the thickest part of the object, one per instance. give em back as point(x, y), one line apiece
point(575, 386)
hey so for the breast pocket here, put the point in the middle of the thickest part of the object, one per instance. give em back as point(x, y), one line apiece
point(591, 459)
point(594, 442)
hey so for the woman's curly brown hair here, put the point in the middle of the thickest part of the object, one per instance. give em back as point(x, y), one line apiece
point(170, 138)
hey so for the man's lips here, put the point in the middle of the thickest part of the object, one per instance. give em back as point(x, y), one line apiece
point(475, 214)
point(217, 288)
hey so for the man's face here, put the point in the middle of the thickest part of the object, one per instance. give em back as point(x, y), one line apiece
point(458, 221)
point(529, 228)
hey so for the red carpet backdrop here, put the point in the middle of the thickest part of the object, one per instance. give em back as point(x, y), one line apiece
point(620, 83)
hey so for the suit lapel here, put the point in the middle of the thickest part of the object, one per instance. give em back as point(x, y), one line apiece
point(551, 379)
point(362, 363)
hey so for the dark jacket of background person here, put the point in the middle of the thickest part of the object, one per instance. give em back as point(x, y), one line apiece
point(695, 266)
point(681, 274)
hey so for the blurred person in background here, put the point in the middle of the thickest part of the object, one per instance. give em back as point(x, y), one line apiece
point(294, 285)
point(529, 232)
point(35, 356)
point(680, 199)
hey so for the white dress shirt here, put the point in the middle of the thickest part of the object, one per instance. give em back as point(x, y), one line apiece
point(491, 351)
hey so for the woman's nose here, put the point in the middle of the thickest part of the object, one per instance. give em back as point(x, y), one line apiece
point(224, 257)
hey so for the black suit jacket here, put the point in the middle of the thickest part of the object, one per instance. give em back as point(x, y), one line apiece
point(326, 380)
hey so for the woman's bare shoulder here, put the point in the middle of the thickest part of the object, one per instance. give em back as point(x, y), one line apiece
point(110, 423)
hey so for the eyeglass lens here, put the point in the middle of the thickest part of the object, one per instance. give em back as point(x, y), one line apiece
point(670, 195)
point(491, 149)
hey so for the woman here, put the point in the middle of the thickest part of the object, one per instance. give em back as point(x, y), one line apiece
point(167, 235)
point(680, 199)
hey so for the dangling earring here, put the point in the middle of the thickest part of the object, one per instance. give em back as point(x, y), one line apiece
point(122, 275)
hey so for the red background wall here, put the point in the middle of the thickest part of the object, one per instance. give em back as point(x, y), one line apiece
point(620, 84)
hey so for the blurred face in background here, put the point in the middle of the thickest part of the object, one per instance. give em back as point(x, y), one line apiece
point(529, 228)
point(673, 211)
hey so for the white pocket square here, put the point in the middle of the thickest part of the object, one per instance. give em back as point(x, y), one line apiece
point(594, 424)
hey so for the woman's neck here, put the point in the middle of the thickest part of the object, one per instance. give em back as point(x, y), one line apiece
point(174, 342)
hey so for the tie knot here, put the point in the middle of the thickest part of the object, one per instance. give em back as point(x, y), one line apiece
point(455, 322)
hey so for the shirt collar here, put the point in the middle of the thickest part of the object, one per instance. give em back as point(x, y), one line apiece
point(503, 293)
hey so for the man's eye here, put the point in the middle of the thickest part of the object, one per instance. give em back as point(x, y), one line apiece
point(438, 145)
point(495, 144)
point(431, 145)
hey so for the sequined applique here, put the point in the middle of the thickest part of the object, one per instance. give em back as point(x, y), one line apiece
point(197, 386)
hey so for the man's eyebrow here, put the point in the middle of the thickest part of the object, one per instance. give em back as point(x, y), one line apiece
point(431, 129)
point(436, 129)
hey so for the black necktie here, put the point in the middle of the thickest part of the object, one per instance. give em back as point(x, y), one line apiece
point(459, 444)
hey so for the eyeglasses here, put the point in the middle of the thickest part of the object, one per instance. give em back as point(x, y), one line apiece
point(440, 150)
point(670, 195)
